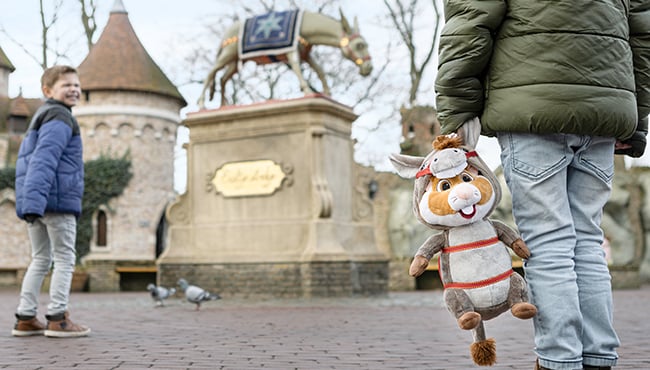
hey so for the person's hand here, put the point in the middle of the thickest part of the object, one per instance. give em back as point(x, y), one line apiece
point(621, 145)
point(635, 145)
point(31, 217)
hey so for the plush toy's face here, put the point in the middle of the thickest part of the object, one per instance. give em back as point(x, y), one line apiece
point(458, 200)
point(453, 186)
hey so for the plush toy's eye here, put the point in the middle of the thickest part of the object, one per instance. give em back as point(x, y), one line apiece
point(466, 177)
point(443, 185)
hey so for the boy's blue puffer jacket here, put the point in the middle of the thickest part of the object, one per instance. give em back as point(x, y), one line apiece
point(49, 169)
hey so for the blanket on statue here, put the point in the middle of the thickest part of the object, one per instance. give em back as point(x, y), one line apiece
point(265, 38)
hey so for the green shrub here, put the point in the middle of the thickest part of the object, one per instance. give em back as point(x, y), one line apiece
point(7, 178)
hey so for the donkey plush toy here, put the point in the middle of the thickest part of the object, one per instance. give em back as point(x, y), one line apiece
point(455, 191)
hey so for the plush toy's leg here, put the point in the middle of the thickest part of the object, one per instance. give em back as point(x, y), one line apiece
point(518, 298)
point(483, 351)
point(462, 308)
point(469, 320)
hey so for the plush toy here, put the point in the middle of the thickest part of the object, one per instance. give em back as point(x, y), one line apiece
point(455, 191)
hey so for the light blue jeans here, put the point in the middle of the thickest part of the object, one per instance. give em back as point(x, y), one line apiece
point(53, 240)
point(560, 184)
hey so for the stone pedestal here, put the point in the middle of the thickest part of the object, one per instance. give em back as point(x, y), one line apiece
point(275, 205)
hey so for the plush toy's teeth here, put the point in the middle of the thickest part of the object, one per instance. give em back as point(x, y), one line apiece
point(467, 210)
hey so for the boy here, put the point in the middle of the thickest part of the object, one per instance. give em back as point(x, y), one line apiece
point(49, 189)
point(563, 85)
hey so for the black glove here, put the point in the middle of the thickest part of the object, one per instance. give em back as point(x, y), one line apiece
point(31, 217)
point(637, 141)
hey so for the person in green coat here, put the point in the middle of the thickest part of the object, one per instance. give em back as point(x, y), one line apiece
point(563, 85)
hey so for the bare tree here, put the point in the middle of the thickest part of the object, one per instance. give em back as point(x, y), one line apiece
point(88, 20)
point(403, 14)
point(47, 23)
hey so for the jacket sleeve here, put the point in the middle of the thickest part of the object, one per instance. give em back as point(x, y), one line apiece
point(465, 49)
point(639, 23)
point(53, 137)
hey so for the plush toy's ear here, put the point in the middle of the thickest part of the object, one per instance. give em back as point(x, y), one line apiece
point(470, 131)
point(407, 166)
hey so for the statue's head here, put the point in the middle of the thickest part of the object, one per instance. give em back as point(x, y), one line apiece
point(354, 46)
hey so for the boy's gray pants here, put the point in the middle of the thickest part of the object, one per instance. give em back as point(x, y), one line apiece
point(53, 241)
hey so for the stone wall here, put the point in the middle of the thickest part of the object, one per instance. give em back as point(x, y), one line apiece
point(4, 146)
point(284, 280)
point(15, 251)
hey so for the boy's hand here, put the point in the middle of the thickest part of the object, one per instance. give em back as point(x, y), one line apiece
point(635, 145)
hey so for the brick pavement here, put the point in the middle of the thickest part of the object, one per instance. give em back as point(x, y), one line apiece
point(405, 330)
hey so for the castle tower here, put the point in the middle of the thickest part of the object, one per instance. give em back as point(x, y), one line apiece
point(128, 105)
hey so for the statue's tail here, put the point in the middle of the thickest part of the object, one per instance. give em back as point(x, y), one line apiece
point(484, 351)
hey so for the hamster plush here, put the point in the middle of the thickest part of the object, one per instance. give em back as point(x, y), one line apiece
point(455, 191)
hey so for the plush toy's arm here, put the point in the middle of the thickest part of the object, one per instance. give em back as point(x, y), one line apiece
point(511, 238)
point(426, 251)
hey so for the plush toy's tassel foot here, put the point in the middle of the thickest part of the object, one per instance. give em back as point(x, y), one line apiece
point(484, 353)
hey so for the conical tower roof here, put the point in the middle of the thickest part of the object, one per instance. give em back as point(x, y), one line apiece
point(19, 107)
point(5, 62)
point(118, 61)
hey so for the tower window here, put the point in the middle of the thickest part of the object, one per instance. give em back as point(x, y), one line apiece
point(101, 229)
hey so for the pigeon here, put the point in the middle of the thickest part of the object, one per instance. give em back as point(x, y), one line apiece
point(195, 294)
point(159, 293)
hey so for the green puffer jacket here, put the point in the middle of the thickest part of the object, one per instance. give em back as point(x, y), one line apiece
point(543, 66)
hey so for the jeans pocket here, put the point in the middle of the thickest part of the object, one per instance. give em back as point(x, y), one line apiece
point(533, 156)
point(599, 158)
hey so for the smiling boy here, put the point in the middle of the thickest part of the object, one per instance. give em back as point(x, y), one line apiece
point(49, 189)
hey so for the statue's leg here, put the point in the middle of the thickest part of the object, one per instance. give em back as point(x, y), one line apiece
point(207, 84)
point(320, 73)
point(294, 61)
point(227, 75)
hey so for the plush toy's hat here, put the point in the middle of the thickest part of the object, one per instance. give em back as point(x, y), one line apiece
point(448, 163)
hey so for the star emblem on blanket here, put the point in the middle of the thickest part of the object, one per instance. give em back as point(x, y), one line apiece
point(269, 24)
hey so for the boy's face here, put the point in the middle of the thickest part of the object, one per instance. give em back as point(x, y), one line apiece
point(67, 89)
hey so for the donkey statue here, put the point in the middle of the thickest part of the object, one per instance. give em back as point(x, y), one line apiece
point(312, 29)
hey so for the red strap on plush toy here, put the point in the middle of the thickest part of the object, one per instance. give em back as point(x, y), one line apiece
point(472, 245)
point(481, 283)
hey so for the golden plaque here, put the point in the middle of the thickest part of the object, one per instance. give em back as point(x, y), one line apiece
point(249, 178)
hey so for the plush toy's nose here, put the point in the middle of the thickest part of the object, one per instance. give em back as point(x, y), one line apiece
point(463, 195)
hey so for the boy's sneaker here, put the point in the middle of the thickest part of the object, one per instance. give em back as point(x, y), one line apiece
point(60, 326)
point(26, 326)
